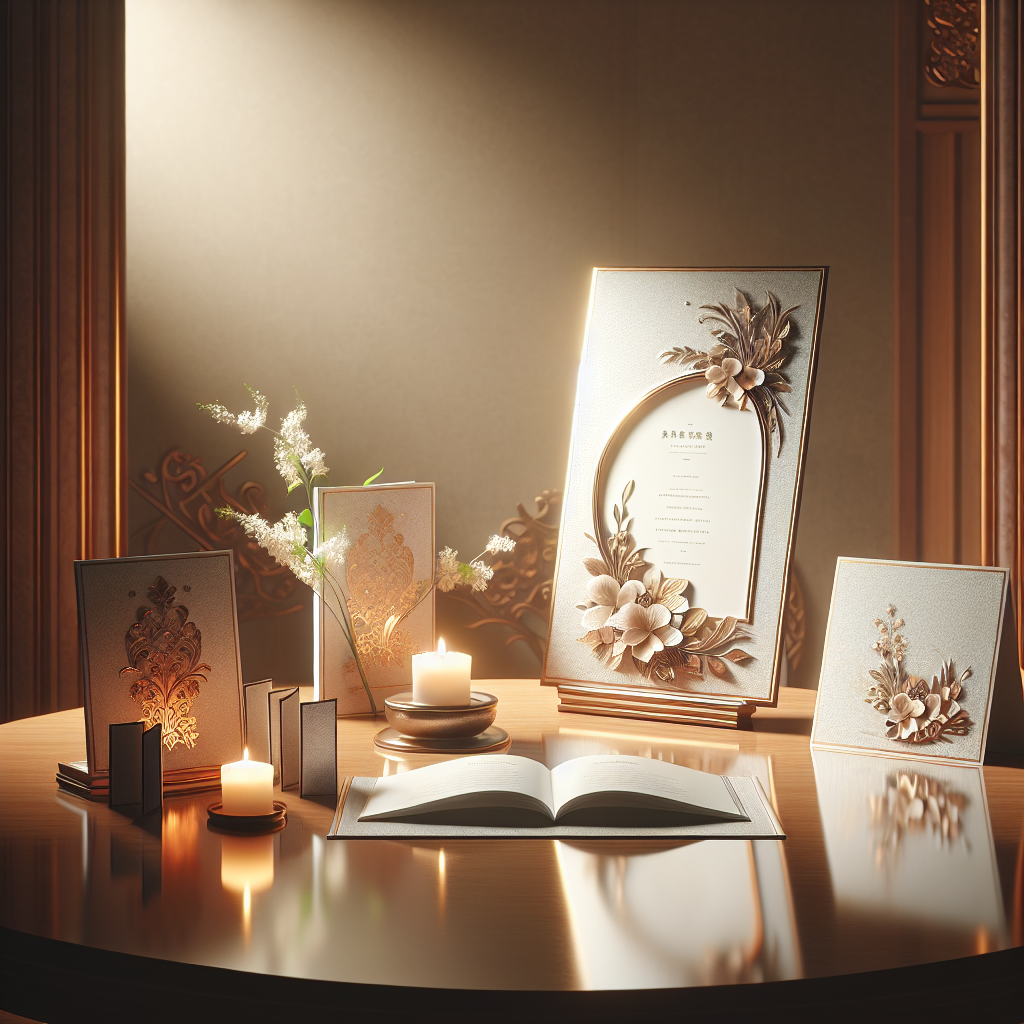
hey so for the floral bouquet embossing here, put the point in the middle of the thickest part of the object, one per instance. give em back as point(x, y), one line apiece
point(915, 712)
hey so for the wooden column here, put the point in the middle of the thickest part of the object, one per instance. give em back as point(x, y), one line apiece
point(63, 346)
point(1003, 447)
point(938, 274)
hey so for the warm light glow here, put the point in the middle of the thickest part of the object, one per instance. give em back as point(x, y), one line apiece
point(247, 915)
point(247, 864)
point(440, 646)
point(245, 755)
point(442, 888)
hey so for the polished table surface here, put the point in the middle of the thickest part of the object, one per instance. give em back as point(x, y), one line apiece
point(886, 865)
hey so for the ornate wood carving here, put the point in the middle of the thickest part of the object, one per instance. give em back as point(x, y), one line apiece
point(794, 625)
point(518, 598)
point(62, 385)
point(954, 45)
point(187, 497)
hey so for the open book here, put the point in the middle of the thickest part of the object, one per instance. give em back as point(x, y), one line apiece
point(601, 789)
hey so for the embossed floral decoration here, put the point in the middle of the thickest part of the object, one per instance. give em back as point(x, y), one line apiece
point(745, 362)
point(914, 712)
point(163, 650)
point(638, 620)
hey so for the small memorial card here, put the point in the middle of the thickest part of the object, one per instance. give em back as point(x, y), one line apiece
point(159, 641)
point(920, 662)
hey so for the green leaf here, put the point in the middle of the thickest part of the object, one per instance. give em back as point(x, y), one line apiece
point(370, 480)
point(306, 517)
point(291, 487)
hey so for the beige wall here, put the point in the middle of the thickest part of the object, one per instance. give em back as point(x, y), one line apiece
point(396, 206)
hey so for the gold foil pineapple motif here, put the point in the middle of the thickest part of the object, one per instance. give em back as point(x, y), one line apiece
point(382, 590)
point(163, 650)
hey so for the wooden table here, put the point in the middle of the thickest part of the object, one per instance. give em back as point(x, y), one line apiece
point(863, 909)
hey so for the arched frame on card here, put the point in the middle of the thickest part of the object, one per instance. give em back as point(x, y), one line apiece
point(683, 579)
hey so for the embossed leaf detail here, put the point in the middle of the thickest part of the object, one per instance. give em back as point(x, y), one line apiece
point(738, 656)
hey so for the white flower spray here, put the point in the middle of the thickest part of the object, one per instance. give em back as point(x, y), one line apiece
point(289, 541)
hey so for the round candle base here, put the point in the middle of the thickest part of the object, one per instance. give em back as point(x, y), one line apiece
point(410, 718)
point(249, 824)
point(487, 742)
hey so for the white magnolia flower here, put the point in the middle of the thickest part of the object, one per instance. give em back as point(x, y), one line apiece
point(732, 378)
point(498, 543)
point(447, 575)
point(666, 592)
point(904, 714)
point(608, 597)
point(647, 630)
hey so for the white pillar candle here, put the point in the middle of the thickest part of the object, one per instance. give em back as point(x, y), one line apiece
point(441, 679)
point(247, 787)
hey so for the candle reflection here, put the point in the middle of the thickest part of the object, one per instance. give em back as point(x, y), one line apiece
point(246, 867)
point(180, 852)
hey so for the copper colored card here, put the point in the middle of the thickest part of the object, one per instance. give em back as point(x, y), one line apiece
point(181, 607)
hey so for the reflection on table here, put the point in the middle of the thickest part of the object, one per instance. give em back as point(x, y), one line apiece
point(879, 871)
point(911, 842)
point(706, 913)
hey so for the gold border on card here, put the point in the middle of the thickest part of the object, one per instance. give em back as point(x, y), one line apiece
point(622, 697)
point(319, 632)
point(600, 526)
point(917, 753)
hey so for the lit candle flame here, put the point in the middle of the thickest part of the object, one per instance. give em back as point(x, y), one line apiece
point(245, 756)
point(440, 646)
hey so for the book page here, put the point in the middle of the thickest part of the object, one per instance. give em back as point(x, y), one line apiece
point(487, 780)
point(619, 779)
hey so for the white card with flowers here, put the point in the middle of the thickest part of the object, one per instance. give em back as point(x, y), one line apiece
point(689, 435)
point(910, 661)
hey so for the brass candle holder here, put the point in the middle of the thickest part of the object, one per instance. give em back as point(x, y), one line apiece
point(431, 729)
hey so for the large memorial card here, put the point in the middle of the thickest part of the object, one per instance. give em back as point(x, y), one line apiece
point(688, 444)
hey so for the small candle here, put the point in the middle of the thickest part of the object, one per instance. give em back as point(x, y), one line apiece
point(247, 787)
point(441, 679)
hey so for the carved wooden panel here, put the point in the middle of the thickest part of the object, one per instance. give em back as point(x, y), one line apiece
point(187, 497)
point(1002, 289)
point(63, 343)
point(937, 384)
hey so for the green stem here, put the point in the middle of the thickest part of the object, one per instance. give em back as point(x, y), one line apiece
point(349, 633)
